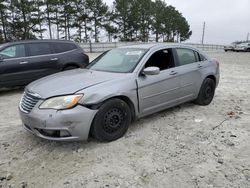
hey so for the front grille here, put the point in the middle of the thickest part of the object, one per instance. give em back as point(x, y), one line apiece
point(28, 102)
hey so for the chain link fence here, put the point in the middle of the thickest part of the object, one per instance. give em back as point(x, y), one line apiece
point(104, 46)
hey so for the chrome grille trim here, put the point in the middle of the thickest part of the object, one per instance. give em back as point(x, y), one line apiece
point(28, 101)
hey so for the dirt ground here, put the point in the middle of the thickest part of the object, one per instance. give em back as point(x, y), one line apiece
point(187, 146)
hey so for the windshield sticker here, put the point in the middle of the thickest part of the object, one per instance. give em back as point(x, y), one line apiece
point(134, 53)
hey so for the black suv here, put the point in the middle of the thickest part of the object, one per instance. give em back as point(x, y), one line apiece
point(24, 61)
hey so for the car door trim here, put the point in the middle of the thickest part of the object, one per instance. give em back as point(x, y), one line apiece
point(38, 56)
point(161, 93)
point(160, 105)
point(162, 80)
point(186, 85)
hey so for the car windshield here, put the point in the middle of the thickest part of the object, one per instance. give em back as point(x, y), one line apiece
point(120, 60)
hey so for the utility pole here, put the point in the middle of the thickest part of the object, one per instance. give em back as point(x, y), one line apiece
point(247, 37)
point(203, 33)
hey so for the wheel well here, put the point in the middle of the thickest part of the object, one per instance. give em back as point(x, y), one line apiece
point(121, 97)
point(69, 65)
point(212, 77)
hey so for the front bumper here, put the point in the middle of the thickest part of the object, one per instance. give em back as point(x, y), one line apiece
point(59, 125)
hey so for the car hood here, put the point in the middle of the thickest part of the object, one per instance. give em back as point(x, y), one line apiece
point(69, 82)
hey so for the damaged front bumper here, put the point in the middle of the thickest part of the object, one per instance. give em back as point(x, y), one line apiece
point(59, 125)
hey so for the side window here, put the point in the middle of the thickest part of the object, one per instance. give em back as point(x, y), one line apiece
point(162, 59)
point(202, 57)
point(186, 56)
point(15, 51)
point(64, 47)
point(39, 49)
point(197, 56)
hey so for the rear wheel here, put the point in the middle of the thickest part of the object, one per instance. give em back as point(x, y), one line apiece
point(111, 121)
point(206, 93)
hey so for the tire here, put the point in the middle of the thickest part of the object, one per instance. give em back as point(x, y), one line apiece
point(225, 50)
point(206, 93)
point(111, 121)
point(70, 67)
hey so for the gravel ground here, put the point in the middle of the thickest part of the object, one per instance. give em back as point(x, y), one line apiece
point(186, 146)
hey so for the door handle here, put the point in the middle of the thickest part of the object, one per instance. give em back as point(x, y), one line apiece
point(173, 73)
point(23, 62)
point(54, 59)
point(200, 66)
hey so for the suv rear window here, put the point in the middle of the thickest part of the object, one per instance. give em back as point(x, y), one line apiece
point(39, 49)
point(64, 47)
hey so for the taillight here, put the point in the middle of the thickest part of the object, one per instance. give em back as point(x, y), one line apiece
point(216, 61)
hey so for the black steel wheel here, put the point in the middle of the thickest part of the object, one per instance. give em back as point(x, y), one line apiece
point(111, 121)
point(206, 93)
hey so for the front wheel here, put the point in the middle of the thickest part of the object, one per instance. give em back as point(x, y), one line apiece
point(111, 121)
point(206, 93)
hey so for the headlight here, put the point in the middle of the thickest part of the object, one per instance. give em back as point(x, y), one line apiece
point(61, 103)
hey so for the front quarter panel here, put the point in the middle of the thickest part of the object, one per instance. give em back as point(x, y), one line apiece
point(125, 86)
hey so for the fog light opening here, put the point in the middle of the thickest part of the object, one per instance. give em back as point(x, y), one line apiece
point(64, 133)
point(54, 133)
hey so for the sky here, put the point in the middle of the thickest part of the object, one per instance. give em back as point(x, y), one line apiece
point(226, 20)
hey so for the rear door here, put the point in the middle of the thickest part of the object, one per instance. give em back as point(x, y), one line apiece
point(189, 66)
point(70, 55)
point(42, 60)
point(13, 66)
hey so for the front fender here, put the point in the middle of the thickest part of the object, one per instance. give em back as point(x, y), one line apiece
point(99, 93)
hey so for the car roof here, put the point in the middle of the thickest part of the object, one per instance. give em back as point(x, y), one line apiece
point(157, 45)
point(36, 41)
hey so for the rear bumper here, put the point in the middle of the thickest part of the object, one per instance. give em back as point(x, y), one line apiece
point(240, 49)
point(217, 78)
point(229, 49)
point(59, 125)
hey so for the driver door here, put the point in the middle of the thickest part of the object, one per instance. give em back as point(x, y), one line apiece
point(157, 92)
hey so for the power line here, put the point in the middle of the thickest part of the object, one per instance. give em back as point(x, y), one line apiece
point(203, 33)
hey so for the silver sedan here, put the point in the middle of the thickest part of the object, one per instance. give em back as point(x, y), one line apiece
point(119, 86)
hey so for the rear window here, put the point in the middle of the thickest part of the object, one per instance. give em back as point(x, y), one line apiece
point(64, 47)
point(39, 49)
point(186, 56)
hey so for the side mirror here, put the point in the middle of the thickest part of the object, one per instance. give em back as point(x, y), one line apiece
point(151, 71)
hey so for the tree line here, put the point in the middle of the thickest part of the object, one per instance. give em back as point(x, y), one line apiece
point(82, 20)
